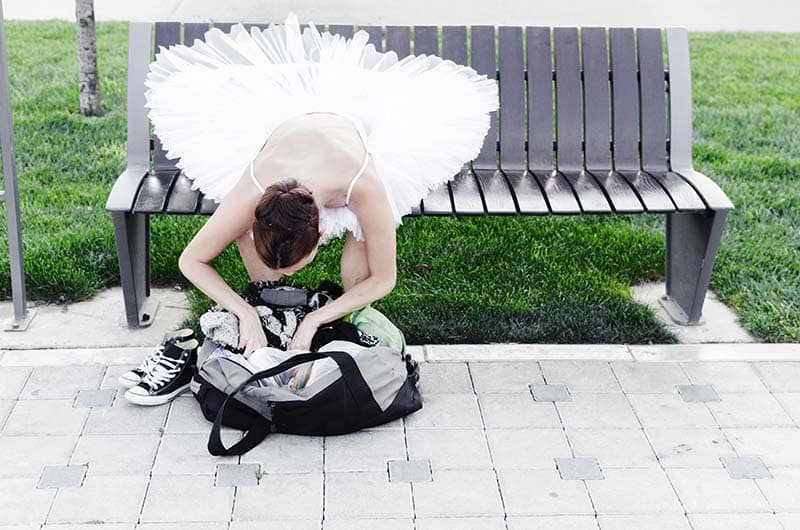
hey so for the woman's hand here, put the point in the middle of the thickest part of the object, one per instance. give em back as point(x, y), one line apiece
point(251, 334)
point(301, 340)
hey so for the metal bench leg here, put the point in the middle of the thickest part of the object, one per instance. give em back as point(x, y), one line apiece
point(692, 240)
point(132, 233)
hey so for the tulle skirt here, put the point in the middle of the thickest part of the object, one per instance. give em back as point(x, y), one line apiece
point(213, 105)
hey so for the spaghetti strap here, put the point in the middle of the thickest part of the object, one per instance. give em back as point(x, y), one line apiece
point(354, 179)
point(252, 176)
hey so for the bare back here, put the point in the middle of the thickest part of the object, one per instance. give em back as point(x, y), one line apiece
point(324, 149)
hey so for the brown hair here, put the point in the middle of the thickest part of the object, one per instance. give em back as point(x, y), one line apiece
point(286, 228)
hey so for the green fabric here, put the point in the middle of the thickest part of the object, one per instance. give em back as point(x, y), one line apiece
point(370, 320)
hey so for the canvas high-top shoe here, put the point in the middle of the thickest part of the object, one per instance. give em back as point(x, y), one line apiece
point(169, 377)
point(132, 377)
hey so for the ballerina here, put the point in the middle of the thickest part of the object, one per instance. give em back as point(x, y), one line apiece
point(301, 137)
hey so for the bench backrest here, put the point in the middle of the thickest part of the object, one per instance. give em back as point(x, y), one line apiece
point(592, 98)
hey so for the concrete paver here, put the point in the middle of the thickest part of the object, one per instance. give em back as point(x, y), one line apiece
point(489, 453)
point(580, 468)
point(698, 393)
point(410, 471)
point(445, 495)
point(739, 521)
point(625, 448)
point(550, 392)
point(112, 499)
point(542, 492)
point(689, 448)
point(364, 450)
point(281, 496)
point(545, 522)
point(237, 475)
point(713, 490)
point(589, 410)
point(727, 377)
point(56, 477)
point(516, 411)
point(186, 498)
point(365, 494)
point(116, 454)
point(745, 467)
point(437, 447)
point(643, 522)
point(503, 376)
point(527, 448)
point(629, 491)
point(26, 456)
point(669, 410)
point(581, 376)
point(299, 454)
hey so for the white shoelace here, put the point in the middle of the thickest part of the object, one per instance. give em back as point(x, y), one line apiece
point(163, 371)
point(152, 359)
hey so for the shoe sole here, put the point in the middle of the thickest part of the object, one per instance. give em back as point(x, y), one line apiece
point(155, 400)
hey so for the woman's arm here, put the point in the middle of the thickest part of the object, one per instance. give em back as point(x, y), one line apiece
point(234, 215)
point(374, 213)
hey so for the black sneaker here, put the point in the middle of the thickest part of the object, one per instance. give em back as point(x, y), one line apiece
point(132, 377)
point(169, 377)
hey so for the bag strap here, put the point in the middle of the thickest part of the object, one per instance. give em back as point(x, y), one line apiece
point(259, 429)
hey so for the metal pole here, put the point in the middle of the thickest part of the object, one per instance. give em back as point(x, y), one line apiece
point(21, 317)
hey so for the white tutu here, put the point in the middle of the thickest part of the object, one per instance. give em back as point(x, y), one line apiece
point(214, 104)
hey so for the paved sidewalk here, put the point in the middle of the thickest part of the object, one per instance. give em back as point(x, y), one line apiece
point(608, 442)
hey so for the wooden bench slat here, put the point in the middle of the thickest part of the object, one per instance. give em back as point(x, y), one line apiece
point(342, 29)
point(653, 98)
point(590, 195)
point(496, 193)
point(467, 195)
point(596, 98)
point(512, 99)
point(454, 44)
point(619, 191)
point(680, 121)
point(558, 192)
point(167, 34)
point(426, 40)
point(569, 114)
point(375, 36)
point(398, 38)
point(682, 193)
point(154, 192)
point(540, 99)
point(182, 198)
point(482, 52)
point(207, 206)
point(194, 30)
point(439, 201)
point(527, 192)
point(652, 195)
point(225, 27)
point(625, 98)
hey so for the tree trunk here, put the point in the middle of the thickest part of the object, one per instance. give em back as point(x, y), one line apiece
point(88, 78)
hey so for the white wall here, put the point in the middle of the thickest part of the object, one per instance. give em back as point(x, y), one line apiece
point(702, 15)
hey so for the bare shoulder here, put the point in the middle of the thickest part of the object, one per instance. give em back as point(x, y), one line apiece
point(369, 202)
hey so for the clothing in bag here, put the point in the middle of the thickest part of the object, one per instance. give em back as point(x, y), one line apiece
point(351, 385)
point(281, 306)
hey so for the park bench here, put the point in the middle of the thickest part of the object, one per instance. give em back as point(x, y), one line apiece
point(591, 121)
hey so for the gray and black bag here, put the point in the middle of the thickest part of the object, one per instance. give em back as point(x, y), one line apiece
point(369, 386)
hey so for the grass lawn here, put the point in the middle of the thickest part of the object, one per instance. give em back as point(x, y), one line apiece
point(494, 279)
